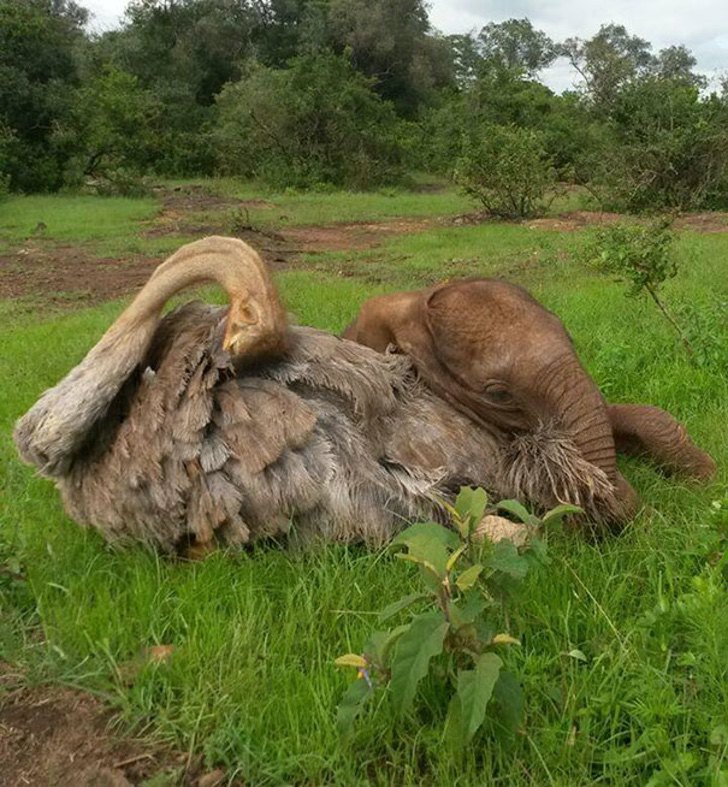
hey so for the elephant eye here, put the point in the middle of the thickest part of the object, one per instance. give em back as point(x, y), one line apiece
point(498, 393)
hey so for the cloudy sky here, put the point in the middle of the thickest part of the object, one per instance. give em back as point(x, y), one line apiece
point(702, 25)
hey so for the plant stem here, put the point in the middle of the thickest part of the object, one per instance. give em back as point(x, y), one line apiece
point(661, 306)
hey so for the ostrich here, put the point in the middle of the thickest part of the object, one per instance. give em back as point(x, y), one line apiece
point(218, 426)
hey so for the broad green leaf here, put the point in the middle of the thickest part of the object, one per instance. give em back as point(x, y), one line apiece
point(555, 515)
point(397, 606)
point(485, 630)
point(518, 510)
point(454, 724)
point(432, 530)
point(469, 577)
point(428, 568)
point(380, 642)
point(465, 612)
point(421, 642)
point(470, 503)
point(429, 543)
point(351, 704)
point(537, 548)
point(508, 698)
point(351, 660)
point(474, 690)
point(505, 558)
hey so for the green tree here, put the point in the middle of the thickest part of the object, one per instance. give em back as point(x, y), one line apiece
point(668, 148)
point(389, 41)
point(678, 63)
point(516, 46)
point(116, 124)
point(607, 62)
point(316, 122)
point(38, 71)
point(197, 43)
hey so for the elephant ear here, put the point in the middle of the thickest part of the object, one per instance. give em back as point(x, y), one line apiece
point(462, 320)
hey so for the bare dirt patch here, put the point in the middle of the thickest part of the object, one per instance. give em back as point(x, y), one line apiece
point(703, 222)
point(60, 737)
point(579, 219)
point(70, 275)
point(354, 236)
point(575, 220)
point(183, 202)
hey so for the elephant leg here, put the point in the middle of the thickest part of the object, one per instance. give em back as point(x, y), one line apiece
point(643, 430)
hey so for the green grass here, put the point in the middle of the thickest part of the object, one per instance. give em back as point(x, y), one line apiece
point(293, 208)
point(74, 218)
point(251, 683)
point(493, 248)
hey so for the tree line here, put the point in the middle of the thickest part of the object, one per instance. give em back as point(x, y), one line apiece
point(354, 94)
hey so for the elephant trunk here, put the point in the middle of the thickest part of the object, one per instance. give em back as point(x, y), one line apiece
point(583, 414)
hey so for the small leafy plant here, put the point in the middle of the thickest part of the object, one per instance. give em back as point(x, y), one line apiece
point(507, 169)
point(643, 255)
point(465, 584)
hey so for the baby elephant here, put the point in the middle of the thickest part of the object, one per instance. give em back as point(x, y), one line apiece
point(498, 356)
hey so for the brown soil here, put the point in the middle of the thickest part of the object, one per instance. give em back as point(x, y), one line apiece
point(180, 203)
point(53, 736)
point(578, 219)
point(68, 275)
point(354, 236)
point(575, 220)
point(703, 222)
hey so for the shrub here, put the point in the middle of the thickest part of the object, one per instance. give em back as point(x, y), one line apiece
point(119, 182)
point(665, 148)
point(507, 169)
point(316, 122)
point(642, 255)
point(465, 585)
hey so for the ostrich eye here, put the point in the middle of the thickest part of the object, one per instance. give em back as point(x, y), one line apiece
point(498, 393)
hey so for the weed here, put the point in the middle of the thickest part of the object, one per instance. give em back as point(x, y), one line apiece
point(644, 256)
point(465, 585)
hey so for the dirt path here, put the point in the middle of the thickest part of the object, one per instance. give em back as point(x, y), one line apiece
point(55, 736)
point(70, 275)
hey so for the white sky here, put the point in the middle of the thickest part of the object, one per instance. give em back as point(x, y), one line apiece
point(702, 25)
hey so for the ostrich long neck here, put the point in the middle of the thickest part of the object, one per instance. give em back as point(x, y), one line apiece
point(52, 431)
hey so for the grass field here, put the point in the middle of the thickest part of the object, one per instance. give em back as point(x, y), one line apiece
point(251, 683)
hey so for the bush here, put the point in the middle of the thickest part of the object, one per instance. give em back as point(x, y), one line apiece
point(119, 182)
point(644, 256)
point(668, 149)
point(466, 582)
point(316, 122)
point(507, 169)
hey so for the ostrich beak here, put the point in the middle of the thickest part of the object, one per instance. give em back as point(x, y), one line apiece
point(240, 326)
